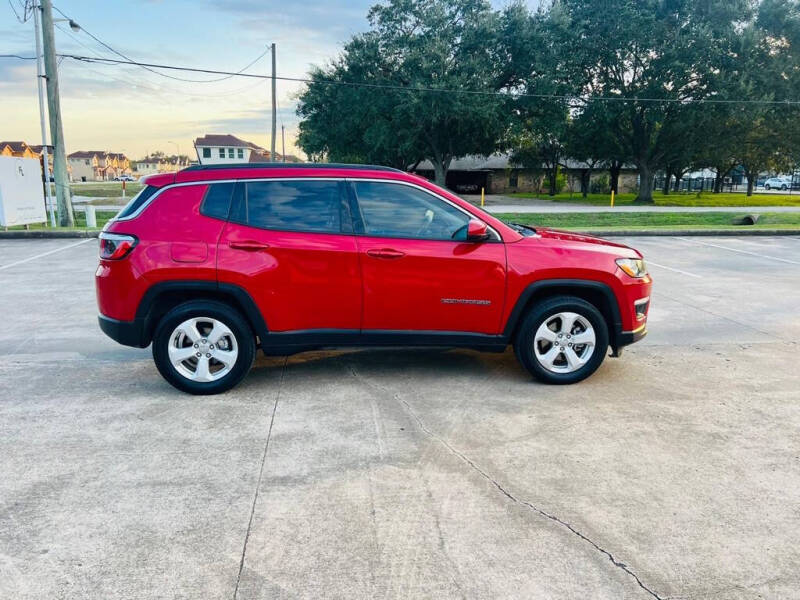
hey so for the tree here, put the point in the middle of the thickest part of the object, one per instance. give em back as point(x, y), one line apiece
point(419, 47)
point(653, 57)
point(590, 142)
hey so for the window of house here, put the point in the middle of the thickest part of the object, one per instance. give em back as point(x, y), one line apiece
point(308, 205)
point(401, 211)
point(86, 161)
point(513, 179)
point(206, 152)
point(222, 152)
point(240, 153)
point(230, 152)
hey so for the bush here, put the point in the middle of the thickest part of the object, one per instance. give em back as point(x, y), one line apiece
point(561, 183)
point(600, 185)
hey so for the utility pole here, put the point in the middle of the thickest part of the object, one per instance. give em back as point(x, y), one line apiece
point(45, 154)
point(283, 142)
point(66, 217)
point(274, 112)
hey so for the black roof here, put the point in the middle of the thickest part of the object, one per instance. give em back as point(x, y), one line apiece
point(282, 165)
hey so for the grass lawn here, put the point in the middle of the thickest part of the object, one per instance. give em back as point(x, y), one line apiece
point(704, 199)
point(105, 189)
point(103, 216)
point(651, 220)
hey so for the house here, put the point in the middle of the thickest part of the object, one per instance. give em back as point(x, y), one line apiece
point(224, 148)
point(159, 163)
point(50, 155)
point(498, 175)
point(23, 150)
point(20, 149)
point(97, 165)
point(218, 148)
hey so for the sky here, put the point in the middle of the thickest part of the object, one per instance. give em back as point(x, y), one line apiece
point(127, 109)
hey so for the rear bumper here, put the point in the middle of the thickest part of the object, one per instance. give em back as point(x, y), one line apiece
point(127, 333)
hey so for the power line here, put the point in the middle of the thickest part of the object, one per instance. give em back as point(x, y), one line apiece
point(402, 88)
point(25, 11)
point(228, 75)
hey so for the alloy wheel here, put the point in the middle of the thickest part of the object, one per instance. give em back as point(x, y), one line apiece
point(203, 349)
point(564, 342)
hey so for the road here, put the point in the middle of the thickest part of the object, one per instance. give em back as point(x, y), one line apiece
point(674, 472)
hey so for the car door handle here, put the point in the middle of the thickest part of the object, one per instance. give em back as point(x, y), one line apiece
point(248, 245)
point(385, 253)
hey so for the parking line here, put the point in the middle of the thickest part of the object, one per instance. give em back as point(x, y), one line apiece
point(783, 260)
point(650, 262)
point(30, 258)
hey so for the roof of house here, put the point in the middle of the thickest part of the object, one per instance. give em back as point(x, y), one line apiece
point(15, 146)
point(38, 148)
point(225, 139)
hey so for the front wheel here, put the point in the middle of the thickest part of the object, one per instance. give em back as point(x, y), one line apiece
point(766, 186)
point(562, 340)
point(203, 347)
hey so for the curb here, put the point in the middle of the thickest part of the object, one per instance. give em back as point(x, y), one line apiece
point(45, 234)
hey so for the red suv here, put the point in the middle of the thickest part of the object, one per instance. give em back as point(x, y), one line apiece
point(213, 262)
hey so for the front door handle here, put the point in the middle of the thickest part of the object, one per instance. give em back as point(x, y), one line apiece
point(385, 253)
point(249, 245)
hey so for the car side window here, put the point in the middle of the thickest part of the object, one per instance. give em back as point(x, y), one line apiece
point(400, 211)
point(217, 200)
point(299, 205)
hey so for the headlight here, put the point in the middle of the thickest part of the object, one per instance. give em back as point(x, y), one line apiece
point(634, 267)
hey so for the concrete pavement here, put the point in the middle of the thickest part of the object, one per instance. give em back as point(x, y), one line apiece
point(674, 472)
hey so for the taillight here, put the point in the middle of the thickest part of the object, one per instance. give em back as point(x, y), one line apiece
point(114, 246)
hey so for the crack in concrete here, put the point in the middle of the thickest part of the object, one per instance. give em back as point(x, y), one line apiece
point(468, 461)
point(258, 483)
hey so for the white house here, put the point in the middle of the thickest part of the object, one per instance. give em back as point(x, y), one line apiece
point(218, 148)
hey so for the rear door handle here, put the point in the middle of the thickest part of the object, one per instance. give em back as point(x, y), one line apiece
point(249, 245)
point(385, 253)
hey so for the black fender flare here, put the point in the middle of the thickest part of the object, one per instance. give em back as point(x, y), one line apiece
point(146, 315)
point(559, 286)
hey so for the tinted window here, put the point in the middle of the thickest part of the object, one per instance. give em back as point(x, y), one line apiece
point(394, 210)
point(217, 202)
point(206, 152)
point(137, 201)
point(307, 205)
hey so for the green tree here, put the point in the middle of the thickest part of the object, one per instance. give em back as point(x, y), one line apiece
point(654, 57)
point(420, 46)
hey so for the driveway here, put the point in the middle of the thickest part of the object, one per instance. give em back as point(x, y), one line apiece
point(674, 472)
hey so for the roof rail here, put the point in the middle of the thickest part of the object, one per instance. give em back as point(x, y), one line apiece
point(282, 165)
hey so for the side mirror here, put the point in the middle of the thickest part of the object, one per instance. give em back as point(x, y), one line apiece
point(477, 231)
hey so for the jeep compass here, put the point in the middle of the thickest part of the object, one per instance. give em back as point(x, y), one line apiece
point(211, 263)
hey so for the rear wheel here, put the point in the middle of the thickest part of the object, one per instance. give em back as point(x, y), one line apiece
point(203, 347)
point(562, 340)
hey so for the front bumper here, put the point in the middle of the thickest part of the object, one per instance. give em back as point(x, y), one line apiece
point(127, 333)
point(626, 338)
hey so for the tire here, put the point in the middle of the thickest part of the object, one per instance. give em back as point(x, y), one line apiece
point(556, 361)
point(783, 188)
point(189, 329)
point(766, 186)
